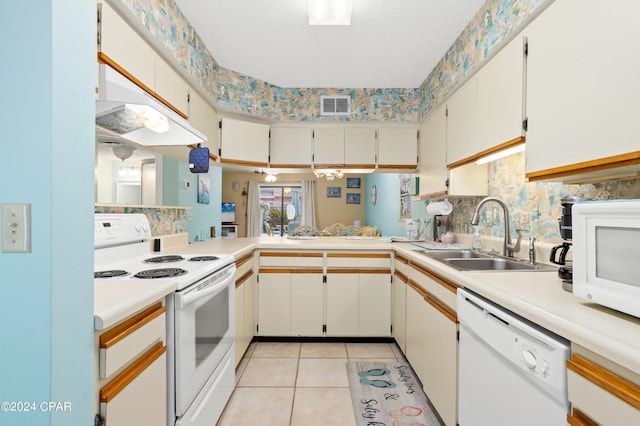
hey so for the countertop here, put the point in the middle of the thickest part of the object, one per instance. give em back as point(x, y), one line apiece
point(115, 300)
point(536, 296)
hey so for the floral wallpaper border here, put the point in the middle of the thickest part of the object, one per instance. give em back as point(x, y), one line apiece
point(241, 93)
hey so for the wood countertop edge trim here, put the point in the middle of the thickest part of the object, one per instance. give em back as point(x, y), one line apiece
point(578, 418)
point(360, 255)
point(473, 158)
point(276, 270)
point(243, 278)
point(452, 287)
point(244, 260)
point(105, 59)
point(122, 380)
point(290, 254)
point(414, 285)
point(615, 161)
point(442, 308)
point(617, 386)
point(128, 327)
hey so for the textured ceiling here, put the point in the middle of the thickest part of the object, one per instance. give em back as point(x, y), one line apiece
point(389, 44)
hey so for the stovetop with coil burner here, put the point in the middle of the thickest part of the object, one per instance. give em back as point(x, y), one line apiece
point(122, 251)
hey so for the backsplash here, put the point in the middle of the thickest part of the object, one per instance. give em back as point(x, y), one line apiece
point(533, 206)
point(163, 220)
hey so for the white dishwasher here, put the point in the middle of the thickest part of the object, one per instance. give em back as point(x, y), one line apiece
point(511, 371)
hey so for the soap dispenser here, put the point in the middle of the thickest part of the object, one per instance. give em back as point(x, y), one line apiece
point(476, 242)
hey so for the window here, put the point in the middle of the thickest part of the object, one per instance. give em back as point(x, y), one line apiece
point(280, 208)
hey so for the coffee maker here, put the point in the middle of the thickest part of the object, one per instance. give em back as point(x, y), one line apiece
point(559, 252)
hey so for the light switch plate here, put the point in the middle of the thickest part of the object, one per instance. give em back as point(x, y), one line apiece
point(16, 228)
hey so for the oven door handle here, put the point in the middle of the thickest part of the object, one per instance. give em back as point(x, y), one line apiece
point(184, 299)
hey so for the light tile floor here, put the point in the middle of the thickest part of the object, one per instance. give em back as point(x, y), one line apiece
point(296, 384)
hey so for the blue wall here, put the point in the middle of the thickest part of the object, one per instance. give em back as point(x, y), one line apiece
point(386, 213)
point(47, 115)
point(201, 216)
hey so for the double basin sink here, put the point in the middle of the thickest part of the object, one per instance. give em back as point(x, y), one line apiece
point(467, 260)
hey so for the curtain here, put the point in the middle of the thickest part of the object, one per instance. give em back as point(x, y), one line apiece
point(254, 222)
point(308, 203)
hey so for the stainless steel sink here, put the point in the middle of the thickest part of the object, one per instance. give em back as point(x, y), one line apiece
point(496, 264)
point(454, 254)
point(467, 260)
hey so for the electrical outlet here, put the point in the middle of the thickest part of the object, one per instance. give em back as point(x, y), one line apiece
point(16, 228)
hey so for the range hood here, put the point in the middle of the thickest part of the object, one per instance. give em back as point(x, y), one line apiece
point(128, 111)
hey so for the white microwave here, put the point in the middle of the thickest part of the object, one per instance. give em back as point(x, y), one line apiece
point(606, 253)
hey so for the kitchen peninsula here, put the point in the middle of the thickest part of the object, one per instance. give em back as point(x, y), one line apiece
point(603, 336)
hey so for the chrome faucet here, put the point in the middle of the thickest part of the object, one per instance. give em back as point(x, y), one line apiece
point(532, 250)
point(507, 248)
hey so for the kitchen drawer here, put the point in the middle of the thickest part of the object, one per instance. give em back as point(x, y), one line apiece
point(602, 395)
point(292, 259)
point(244, 265)
point(440, 288)
point(138, 395)
point(358, 260)
point(401, 264)
point(127, 341)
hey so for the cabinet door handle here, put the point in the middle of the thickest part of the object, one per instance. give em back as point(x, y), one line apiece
point(128, 327)
point(122, 380)
point(617, 386)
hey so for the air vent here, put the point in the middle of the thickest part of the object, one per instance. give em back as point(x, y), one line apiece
point(335, 105)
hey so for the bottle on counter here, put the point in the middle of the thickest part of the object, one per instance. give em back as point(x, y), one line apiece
point(476, 241)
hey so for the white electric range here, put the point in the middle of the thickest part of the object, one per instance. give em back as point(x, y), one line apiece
point(200, 314)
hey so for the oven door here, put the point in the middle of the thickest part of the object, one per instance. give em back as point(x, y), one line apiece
point(204, 332)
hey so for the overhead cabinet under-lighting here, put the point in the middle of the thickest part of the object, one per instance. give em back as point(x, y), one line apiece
point(128, 111)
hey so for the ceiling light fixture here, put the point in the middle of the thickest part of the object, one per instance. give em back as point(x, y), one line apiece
point(330, 174)
point(330, 12)
point(501, 154)
point(271, 178)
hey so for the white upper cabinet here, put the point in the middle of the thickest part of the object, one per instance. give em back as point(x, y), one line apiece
point(121, 47)
point(500, 97)
point(171, 87)
point(204, 118)
point(583, 88)
point(339, 147)
point(433, 153)
point(461, 123)
point(328, 147)
point(397, 148)
point(125, 47)
point(291, 147)
point(435, 178)
point(360, 147)
point(486, 113)
point(244, 143)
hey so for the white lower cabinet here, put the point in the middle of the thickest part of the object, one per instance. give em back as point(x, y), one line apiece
point(399, 297)
point(601, 395)
point(416, 322)
point(359, 303)
point(290, 304)
point(131, 370)
point(300, 295)
point(245, 305)
point(306, 304)
point(342, 305)
point(440, 374)
point(274, 304)
point(432, 338)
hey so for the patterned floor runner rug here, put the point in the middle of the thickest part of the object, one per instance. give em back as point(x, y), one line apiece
point(389, 394)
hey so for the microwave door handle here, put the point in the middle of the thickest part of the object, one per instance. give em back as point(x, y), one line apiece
point(189, 297)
